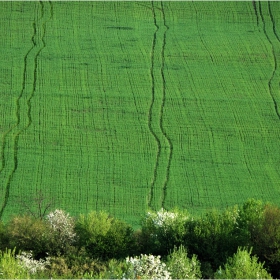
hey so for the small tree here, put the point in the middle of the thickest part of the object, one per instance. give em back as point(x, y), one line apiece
point(267, 239)
point(61, 231)
point(242, 266)
point(163, 230)
point(211, 237)
point(36, 206)
point(103, 236)
point(182, 267)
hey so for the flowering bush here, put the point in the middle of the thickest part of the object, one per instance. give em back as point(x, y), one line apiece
point(146, 266)
point(62, 232)
point(31, 265)
point(163, 230)
point(162, 218)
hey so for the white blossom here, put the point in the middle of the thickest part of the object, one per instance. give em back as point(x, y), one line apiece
point(146, 266)
point(33, 266)
point(63, 225)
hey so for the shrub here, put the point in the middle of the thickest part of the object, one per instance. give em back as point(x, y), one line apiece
point(146, 267)
point(162, 230)
point(103, 236)
point(250, 219)
point(115, 269)
point(182, 267)
point(59, 268)
point(242, 266)
point(31, 265)
point(212, 237)
point(266, 240)
point(61, 233)
point(28, 234)
point(4, 236)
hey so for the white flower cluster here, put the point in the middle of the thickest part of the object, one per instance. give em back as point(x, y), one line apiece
point(33, 266)
point(165, 219)
point(146, 267)
point(162, 217)
point(62, 224)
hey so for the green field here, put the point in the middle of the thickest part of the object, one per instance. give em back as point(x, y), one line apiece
point(125, 106)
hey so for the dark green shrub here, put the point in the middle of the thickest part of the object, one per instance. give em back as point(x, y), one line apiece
point(212, 238)
point(4, 237)
point(266, 239)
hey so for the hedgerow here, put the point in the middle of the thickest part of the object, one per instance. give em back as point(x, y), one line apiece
point(169, 244)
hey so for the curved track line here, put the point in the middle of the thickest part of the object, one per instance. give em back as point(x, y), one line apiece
point(199, 34)
point(162, 107)
point(273, 53)
point(158, 189)
point(151, 194)
point(273, 21)
point(23, 102)
point(256, 11)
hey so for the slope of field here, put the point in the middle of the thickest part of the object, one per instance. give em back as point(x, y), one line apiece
point(125, 106)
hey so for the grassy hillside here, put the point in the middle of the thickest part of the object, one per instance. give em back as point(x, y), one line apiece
point(125, 106)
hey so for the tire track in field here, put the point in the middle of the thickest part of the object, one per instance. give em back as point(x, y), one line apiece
point(23, 102)
point(268, 25)
point(256, 11)
point(199, 34)
point(158, 189)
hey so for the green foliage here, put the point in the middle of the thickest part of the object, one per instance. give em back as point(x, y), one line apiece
point(242, 266)
point(163, 230)
point(115, 269)
point(10, 268)
point(4, 236)
point(95, 245)
point(28, 234)
point(266, 240)
point(103, 236)
point(182, 267)
point(212, 237)
point(249, 222)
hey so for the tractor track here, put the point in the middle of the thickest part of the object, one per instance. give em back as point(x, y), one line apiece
point(158, 188)
point(23, 102)
point(270, 40)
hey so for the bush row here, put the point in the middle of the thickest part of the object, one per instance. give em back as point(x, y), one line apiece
point(239, 242)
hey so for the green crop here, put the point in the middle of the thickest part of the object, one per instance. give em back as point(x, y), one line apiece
point(124, 106)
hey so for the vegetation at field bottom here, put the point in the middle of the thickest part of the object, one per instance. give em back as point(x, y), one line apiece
point(125, 106)
point(240, 242)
